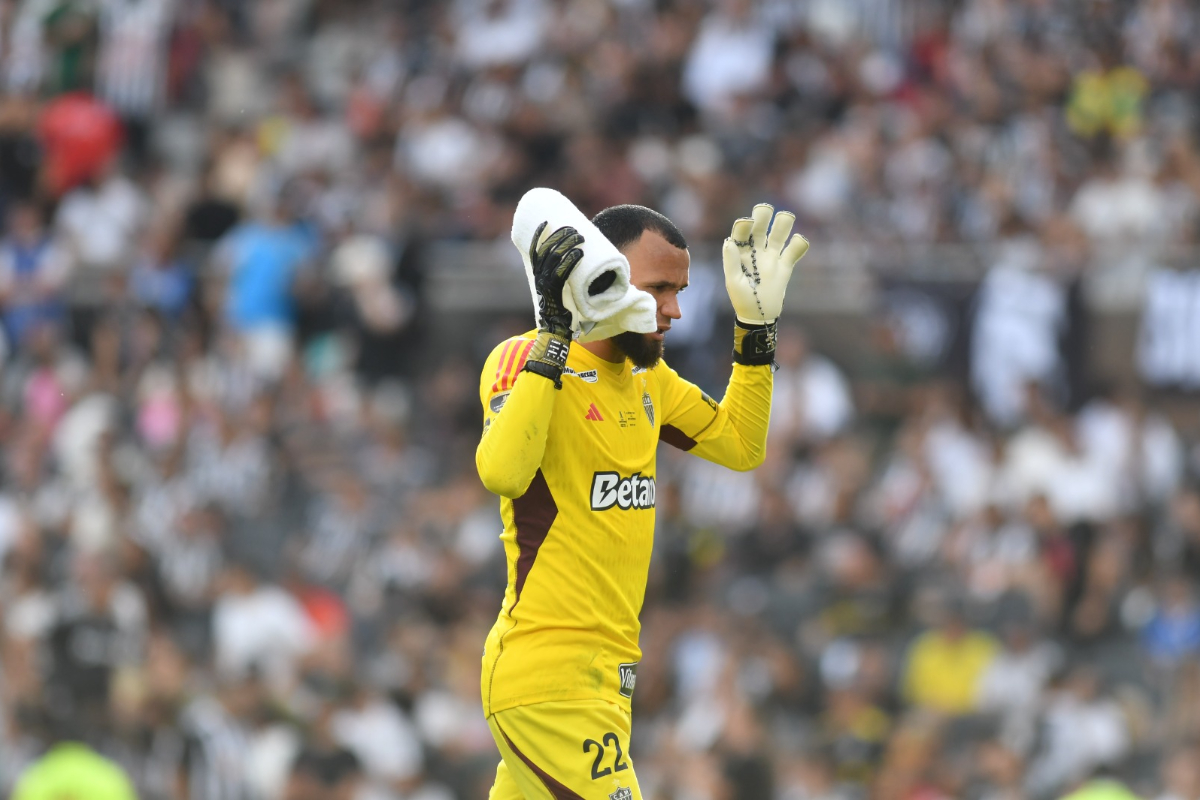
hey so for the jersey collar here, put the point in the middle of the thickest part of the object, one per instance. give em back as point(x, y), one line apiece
point(612, 369)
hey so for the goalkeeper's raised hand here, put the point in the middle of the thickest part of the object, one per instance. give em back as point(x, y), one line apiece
point(758, 265)
point(553, 261)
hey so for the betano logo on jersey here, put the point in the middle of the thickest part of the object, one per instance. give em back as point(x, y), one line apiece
point(609, 489)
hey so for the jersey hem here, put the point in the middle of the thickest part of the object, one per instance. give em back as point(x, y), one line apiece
point(494, 706)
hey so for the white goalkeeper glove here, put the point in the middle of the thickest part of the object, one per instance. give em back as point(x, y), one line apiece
point(758, 267)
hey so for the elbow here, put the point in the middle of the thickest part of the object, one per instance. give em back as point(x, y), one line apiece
point(747, 461)
point(753, 460)
point(502, 485)
point(498, 480)
point(753, 456)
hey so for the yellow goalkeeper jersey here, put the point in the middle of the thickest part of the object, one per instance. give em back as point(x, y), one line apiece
point(575, 469)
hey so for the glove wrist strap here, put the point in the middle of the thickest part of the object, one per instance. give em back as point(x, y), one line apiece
point(754, 343)
point(548, 356)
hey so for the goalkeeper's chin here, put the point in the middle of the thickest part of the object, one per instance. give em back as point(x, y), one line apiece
point(642, 349)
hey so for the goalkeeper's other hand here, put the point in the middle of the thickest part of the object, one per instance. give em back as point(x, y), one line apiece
point(552, 260)
point(758, 266)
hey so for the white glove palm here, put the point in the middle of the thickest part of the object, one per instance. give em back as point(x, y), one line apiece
point(758, 266)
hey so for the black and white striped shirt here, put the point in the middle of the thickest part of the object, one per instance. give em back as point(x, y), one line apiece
point(214, 752)
point(133, 53)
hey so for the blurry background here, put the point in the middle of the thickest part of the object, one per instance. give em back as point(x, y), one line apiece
point(254, 254)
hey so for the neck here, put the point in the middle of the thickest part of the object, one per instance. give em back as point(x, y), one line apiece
point(604, 348)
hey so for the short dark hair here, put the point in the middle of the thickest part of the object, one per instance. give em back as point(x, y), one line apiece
point(623, 225)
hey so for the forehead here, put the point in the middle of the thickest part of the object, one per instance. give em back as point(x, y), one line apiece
point(652, 259)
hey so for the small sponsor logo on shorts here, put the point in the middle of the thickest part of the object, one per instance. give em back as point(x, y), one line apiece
point(622, 793)
point(497, 402)
point(628, 675)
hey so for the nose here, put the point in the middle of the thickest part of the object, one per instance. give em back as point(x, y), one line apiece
point(669, 308)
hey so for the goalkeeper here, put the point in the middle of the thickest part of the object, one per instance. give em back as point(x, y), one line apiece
point(569, 444)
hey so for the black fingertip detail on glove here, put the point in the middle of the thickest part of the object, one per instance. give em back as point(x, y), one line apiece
point(754, 344)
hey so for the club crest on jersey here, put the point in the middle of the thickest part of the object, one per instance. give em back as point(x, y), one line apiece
point(622, 793)
point(610, 490)
point(648, 404)
point(627, 673)
point(588, 375)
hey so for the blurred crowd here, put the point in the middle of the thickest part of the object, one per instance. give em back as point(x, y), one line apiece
point(244, 551)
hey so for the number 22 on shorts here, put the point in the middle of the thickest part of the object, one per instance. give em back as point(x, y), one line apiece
point(610, 738)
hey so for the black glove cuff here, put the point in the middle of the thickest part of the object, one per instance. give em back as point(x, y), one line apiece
point(754, 344)
point(545, 370)
point(548, 357)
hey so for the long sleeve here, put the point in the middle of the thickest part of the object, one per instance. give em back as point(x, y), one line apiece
point(732, 433)
point(513, 443)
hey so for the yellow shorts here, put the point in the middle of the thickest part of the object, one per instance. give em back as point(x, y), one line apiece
point(572, 750)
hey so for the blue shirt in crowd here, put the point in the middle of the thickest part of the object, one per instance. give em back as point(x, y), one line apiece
point(263, 262)
point(1171, 637)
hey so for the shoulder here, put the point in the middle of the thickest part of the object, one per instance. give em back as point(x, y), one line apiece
point(505, 361)
point(508, 344)
point(660, 372)
point(673, 387)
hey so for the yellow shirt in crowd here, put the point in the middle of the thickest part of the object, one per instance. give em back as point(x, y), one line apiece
point(943, 672)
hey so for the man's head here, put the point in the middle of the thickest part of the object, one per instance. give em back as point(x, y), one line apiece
point(658, 264)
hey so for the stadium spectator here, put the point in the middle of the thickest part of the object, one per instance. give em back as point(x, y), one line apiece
point(1173, 634)
point(34, 271)
point(260, 261)
point(945, 666)
point(70, 769)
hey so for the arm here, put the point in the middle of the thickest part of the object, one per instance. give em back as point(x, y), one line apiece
point(746, 410)
point(511, 448)
point(757, 266)
point(732, 433)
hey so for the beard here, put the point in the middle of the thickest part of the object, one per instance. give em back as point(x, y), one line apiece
point(639, 348)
